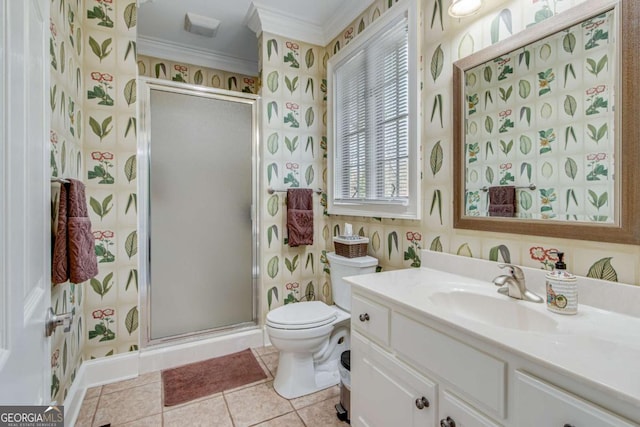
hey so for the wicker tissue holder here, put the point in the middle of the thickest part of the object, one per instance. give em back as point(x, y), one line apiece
point(351, 246)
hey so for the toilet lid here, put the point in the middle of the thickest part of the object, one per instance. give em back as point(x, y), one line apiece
point(301, 315)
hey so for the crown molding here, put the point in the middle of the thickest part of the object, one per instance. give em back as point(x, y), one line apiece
point(261, 18)
point(343, 17)
point(159, 48)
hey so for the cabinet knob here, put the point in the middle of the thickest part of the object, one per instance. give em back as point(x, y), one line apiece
point(422, 402)
point(364, 317)
point(447, 422)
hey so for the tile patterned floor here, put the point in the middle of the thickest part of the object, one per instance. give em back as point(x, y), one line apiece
point(138, 403)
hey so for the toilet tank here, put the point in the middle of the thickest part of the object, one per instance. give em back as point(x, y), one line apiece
point(342, 267)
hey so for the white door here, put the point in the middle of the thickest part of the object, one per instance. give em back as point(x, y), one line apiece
point(25, 284)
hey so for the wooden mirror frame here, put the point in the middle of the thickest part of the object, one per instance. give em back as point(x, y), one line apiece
point(626, 228)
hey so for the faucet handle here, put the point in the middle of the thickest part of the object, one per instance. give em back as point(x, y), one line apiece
point(515, 271)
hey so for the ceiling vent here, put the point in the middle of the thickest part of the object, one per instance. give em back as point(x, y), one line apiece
point(201, 25)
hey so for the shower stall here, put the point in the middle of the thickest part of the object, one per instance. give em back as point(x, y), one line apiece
point(197, 164)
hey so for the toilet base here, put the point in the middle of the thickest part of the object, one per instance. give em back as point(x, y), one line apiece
point(297, 376)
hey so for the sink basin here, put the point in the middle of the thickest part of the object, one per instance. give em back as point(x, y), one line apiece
point(495, 311)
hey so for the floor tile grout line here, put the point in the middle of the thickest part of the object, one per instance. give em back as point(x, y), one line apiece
point(273, 418)
point(226, 405)
point(127, 389)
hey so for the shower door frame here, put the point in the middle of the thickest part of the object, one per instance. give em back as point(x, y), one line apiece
point(145, 85)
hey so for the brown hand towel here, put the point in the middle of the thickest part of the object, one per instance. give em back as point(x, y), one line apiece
point(503, 195)
point(60, 266)
point(502, 201)
point(74, 256)
point(300, 216)
point(83, 264)
point(502, 210)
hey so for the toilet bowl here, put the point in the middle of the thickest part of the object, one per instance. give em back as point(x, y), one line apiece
point(311, 335)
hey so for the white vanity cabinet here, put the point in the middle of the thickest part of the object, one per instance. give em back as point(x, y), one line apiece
point(409, 369)
point(391, 394)
point(539, 403)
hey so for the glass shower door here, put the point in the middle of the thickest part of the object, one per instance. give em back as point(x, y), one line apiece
point(201, 241)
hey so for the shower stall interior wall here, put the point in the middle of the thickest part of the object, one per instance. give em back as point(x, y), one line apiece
point(198, 177)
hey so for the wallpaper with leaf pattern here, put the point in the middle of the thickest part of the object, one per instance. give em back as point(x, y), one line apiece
point(93, 138)
point(445, 40)
point(94, 70)
point(65, 102)
point(293, 156)
point(109, 145)
point(543, 115)
point(158, 68)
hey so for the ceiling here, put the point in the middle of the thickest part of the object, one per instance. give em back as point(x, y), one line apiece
point(161, 30)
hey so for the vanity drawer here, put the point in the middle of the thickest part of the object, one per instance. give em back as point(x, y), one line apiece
point(370, 318)
point(478, 377)
point(457, 412)
point(539, 403)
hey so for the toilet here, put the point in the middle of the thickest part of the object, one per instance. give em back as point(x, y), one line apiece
point(311, 335)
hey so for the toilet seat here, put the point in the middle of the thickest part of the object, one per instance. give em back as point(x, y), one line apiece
point(302, 315)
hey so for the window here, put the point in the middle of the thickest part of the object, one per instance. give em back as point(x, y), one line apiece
point(373, 126)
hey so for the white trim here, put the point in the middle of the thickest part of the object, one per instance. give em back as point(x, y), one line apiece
point(261, 18)
point(106, 370)
point(4, 246)
point(159, 48)
point(412, 210)
point(155, 359)
point(97, 372)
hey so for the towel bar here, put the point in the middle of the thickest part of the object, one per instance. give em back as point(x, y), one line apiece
point(271, 191)
point(530, 187)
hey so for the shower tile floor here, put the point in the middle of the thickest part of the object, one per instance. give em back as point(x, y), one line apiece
point(138, 403)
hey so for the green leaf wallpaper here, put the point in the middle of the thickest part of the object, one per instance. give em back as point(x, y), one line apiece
point(584, 100)
point(66, 93)
point(92, 97)
point(109, 72)
point(292, 77)
point(159, 68)
point(561, 91)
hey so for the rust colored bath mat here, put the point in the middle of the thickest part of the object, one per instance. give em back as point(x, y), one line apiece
point(199, 379)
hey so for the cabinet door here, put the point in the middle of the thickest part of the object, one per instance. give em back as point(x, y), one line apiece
point(455, 412)
point(541, 404)
point(387, 393)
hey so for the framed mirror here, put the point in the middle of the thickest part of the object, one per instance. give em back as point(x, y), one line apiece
point(546, 128)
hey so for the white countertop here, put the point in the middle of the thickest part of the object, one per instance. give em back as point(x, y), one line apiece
point(598, 346)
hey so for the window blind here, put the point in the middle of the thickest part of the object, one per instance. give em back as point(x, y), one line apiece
point(372, 120)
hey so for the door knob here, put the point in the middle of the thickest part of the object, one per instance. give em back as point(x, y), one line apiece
point(364, 317)
point(447, 422)
point(422, 402)
point(54, 320)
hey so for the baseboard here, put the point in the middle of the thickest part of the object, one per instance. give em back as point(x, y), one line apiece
point(165, 357)
point(75, 396)
point(97, 372)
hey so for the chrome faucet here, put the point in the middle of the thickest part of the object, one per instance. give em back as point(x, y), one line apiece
point(513, 284)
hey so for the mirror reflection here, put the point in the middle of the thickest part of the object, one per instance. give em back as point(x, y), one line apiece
point(539, 134)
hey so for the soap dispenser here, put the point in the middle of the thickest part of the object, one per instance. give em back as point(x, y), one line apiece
point(562, 289)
